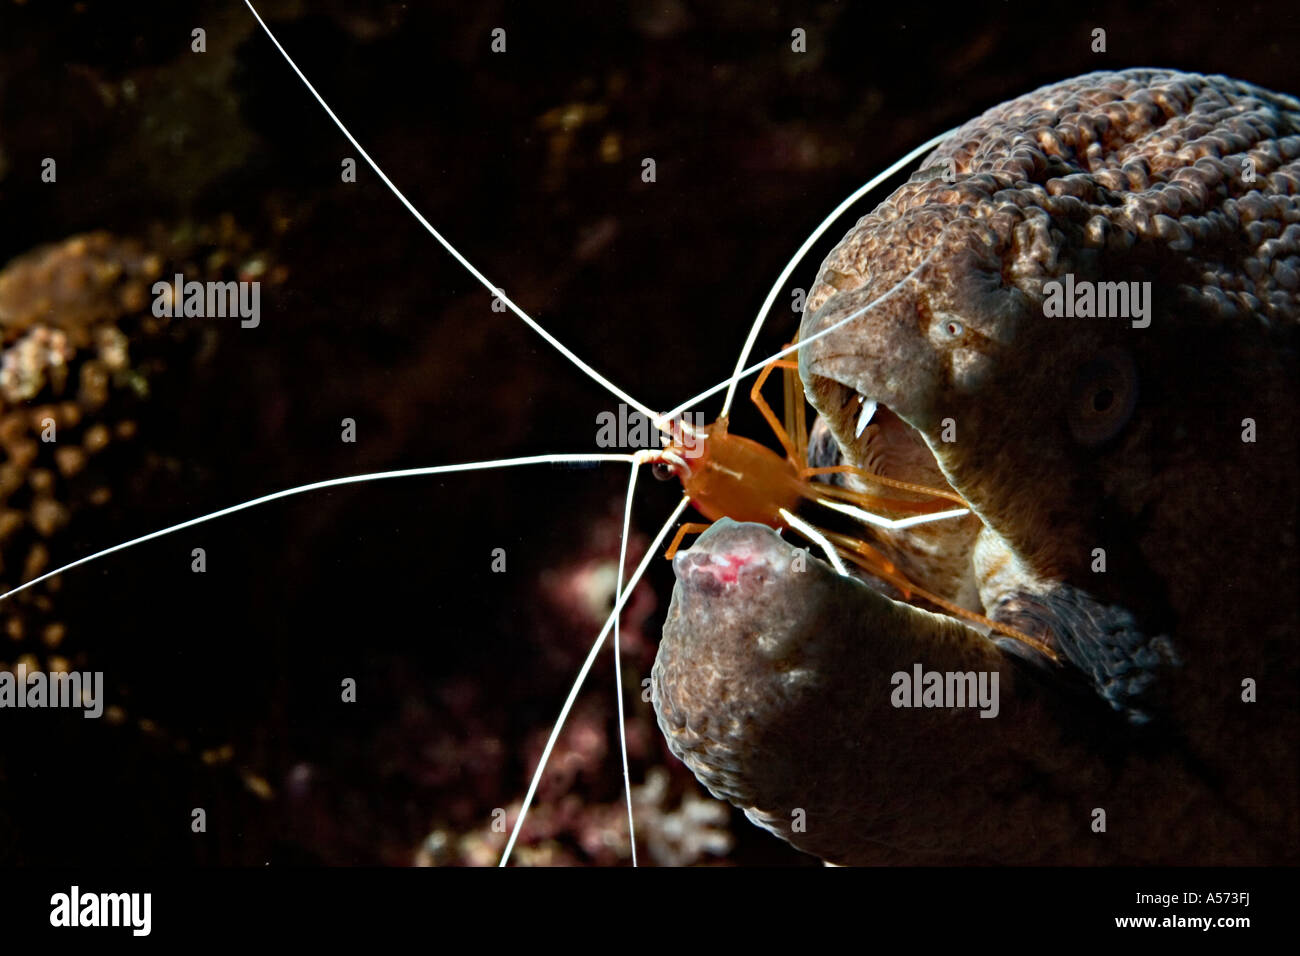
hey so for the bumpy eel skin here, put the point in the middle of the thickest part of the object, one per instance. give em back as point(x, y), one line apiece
point(1167, 731)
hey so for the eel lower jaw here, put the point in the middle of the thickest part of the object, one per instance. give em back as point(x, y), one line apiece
point(733, 558)
point(751, 570)
point(775, 671)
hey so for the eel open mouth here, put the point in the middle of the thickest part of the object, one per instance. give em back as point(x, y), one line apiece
point(775, 671)
point(948, 558)
point(871, 436)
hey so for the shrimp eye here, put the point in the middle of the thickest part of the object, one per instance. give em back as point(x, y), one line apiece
point(1102, 397)
point(663, 470)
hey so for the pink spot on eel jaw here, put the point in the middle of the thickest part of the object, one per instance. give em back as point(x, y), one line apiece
point(724, 567)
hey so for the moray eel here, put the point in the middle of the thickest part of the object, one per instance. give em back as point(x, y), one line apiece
point(1132, 480)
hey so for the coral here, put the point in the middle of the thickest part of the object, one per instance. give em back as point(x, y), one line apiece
point(67, 394)
point(689, 830)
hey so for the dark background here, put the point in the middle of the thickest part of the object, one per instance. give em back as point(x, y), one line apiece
point(459, 669)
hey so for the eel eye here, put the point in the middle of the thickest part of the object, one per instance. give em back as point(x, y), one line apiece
point(1102, 397)
point(954, 328)
point(663, 471)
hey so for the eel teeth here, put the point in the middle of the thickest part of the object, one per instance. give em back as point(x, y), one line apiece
point(864, 419)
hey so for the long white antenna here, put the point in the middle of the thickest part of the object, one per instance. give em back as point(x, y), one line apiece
point(817, 538)
point(894, 524)
point(808, 243)
point(317, 486)
point(791, 349)
point(469, 266)
point(582, 675)
point(618, 656)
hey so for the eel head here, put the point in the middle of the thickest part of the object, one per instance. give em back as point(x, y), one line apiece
point(1124, 511)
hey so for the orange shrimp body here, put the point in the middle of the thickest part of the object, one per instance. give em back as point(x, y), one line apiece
point(738, 478)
